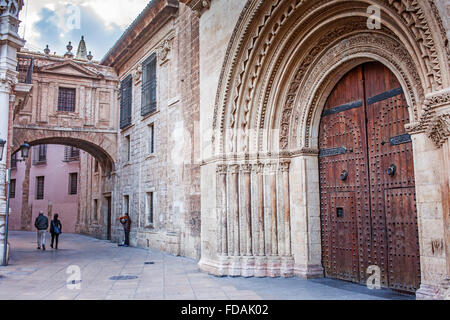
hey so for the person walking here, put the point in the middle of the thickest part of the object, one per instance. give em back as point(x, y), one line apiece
point(55, 230)
point(41, 224)
point(126, 223)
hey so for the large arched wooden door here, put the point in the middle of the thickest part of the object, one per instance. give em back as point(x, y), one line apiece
point(367, 190)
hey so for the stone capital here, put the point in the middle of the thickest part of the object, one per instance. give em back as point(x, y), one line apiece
point(284, 165)
point(222, 169)
point(246, 168)
point(234, 169)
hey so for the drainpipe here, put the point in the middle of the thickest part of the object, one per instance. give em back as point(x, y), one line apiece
point(5, 247)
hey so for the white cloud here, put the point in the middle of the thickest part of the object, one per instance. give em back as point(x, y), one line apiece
point(111, 13)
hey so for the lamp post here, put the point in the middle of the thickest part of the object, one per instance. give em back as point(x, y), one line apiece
point(25, 148)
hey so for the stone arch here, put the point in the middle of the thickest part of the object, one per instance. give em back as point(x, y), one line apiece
point(102, 146)
point(267, 32)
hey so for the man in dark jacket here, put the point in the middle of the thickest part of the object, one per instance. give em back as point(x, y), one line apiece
point(126, 223)
point(41, 225)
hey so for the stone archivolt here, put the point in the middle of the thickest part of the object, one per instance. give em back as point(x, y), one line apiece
point(410, 32)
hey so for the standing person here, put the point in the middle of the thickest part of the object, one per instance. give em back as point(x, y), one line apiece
point(55, 230)
point(41, 225)
point(126, 223)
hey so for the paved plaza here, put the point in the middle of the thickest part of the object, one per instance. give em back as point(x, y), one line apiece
point(148, 275)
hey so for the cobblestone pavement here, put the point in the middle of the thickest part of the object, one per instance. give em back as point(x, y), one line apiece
point(35, 274)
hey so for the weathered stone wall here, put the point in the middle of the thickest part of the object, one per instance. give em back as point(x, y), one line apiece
point(172, 172)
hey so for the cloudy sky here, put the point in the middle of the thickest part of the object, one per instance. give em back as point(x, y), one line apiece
point(56, 22)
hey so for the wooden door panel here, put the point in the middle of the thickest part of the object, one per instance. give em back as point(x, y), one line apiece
point(362, 132)
point(389, 145)
point(343, 148)
point(403, 258)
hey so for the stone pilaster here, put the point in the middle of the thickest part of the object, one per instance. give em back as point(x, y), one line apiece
point(10, 44)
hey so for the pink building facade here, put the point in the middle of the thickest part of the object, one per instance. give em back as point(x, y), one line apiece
point(48, 182)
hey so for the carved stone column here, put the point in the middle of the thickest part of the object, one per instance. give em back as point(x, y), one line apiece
point(246, 171)
point(287, 263)
point(274, 260)
point(248, 261)
point(234, 198)
point(222, 207)
point(260, 259)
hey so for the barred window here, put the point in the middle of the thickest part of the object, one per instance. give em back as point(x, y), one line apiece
point(39, 154)
point(151, 139)
point(71, 154)
point(66, 100)
point(12, 189)
point(73, 183)
point(40, 188)
point(148, 104)
point(125, 102)
point(149, 208)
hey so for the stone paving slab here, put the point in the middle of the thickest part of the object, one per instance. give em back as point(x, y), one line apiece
point(43, 275)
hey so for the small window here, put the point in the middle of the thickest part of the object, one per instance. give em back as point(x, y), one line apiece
point(71, 154)
point(126, 204)
point(40, 154)
point(148, 103)
point(73, 183)
point(40, 188)
point(127, 148)
point(96, 166)
point(149, 207)
point(14, 161)
point(151, 139)
point(12, 189)
point(126, 87)
point(66, 100)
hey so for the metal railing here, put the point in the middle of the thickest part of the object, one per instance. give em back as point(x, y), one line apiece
point(25, 67)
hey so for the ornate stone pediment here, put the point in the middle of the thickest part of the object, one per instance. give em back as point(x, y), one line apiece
point(69, 68)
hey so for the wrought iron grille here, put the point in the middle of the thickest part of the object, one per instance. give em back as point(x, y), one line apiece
point(66, 99)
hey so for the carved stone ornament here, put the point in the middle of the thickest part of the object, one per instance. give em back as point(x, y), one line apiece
point(258, 28)
point(439, 129)
point(137, 74)
point(164, 50)
point(199, 6)
point(11, 7)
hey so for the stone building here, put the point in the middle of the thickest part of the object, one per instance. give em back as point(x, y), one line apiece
point(158, 167)
point(52, 175)
point(324, 140)
point(72, 103)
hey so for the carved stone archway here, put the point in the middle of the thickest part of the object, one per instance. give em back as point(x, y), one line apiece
point(283, 60)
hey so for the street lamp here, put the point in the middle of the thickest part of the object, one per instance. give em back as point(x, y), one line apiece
point(24, 149)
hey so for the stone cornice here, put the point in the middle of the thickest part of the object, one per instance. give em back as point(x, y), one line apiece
point(152, 18)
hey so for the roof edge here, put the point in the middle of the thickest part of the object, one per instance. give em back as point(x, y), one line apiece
point(154, 11)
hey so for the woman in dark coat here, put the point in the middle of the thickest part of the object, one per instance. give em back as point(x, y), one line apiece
point(55, 230)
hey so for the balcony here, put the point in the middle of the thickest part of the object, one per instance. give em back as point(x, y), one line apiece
point(25, 67)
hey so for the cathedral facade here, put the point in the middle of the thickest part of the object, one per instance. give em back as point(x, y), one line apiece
point(277, 138)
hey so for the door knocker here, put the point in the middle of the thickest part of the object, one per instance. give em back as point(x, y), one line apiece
point(344, 175)
point(392, 170)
